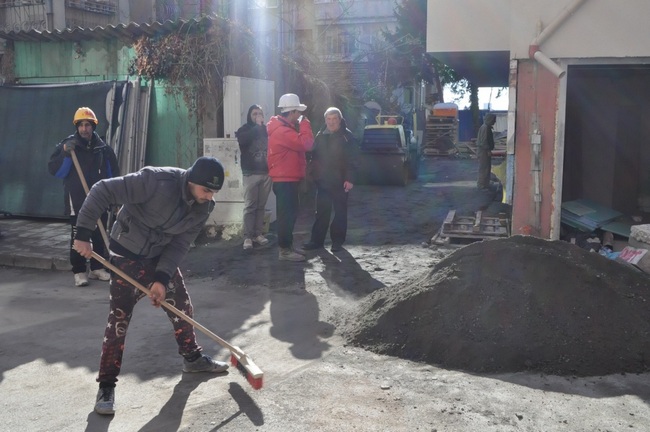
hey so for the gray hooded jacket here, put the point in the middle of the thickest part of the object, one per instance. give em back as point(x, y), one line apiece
point(158, 220)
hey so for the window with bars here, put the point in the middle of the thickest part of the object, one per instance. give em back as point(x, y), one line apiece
point(343, 43)
point(102, 7)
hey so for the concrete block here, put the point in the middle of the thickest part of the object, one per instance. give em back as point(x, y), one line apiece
point(644, 263)
point(61, 264)
point(36, 262)
point(638, 244)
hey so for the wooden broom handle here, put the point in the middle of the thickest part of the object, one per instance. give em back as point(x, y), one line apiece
point(169, 307)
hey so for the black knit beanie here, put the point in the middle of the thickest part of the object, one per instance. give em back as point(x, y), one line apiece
point(208, 172)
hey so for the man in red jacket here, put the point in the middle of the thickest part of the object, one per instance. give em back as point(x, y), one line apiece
point(290, 137)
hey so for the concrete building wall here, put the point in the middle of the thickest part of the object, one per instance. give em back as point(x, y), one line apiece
point(468, 25)
point(142, 11)
point(58, 15)
point(596, 28)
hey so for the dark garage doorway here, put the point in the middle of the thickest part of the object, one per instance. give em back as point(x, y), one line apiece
point(607, 137)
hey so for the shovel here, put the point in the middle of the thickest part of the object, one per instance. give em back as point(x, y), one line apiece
point(85, 185)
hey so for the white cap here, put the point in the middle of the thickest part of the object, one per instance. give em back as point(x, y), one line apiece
point(290, 102)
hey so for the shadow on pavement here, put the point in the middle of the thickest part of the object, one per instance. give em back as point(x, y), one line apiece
point(171, 414)
point(247, 407)
point(342, 273)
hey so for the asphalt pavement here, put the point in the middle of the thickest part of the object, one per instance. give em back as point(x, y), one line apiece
point(290, 318)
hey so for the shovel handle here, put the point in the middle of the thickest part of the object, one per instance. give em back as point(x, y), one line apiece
point(169, 307)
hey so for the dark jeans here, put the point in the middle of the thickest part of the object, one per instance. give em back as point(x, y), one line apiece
point(77, 261)
point(287, 204)
point(326, 199)
point(123, 297)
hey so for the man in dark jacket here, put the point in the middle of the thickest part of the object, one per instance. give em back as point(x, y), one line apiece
point(333, 161)
point(485, 145)
point(97, 161)
point(163, 210)
point(253, 143)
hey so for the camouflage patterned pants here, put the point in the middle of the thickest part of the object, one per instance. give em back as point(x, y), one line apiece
point(124, 297)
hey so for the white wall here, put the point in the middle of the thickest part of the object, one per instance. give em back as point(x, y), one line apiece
point(230, 199)
point(598, 28)
point(239, 94)
point(468, 25)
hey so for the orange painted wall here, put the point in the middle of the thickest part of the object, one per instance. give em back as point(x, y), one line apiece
point(537, 91)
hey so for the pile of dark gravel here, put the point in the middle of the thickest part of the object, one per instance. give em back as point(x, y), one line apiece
point(516, 304)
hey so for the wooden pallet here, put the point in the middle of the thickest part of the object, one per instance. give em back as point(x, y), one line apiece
point(461, 229)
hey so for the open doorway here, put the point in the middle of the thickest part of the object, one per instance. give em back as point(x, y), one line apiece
point(607, 137)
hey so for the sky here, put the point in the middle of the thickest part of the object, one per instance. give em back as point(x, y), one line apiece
point(486, 95)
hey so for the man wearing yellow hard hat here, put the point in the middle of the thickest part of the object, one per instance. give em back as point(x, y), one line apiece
point(97, 161)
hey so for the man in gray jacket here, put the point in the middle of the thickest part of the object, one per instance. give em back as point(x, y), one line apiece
point(163, 210)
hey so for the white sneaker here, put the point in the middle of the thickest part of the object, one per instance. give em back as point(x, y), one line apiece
point(80, 279)
point(261, 240)
point(100, 274)
point(248, 244)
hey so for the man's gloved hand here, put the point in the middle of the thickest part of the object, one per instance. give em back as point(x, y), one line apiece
point(68, 146)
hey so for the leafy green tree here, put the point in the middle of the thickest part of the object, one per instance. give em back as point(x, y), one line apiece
point(409, 60)
point(404, 58)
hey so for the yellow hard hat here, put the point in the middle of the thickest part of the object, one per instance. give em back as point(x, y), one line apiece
point(84, 113)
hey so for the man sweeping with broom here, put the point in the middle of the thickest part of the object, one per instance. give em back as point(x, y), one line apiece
point(163, 210)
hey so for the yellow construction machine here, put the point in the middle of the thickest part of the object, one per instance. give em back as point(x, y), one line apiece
point(389, 153)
